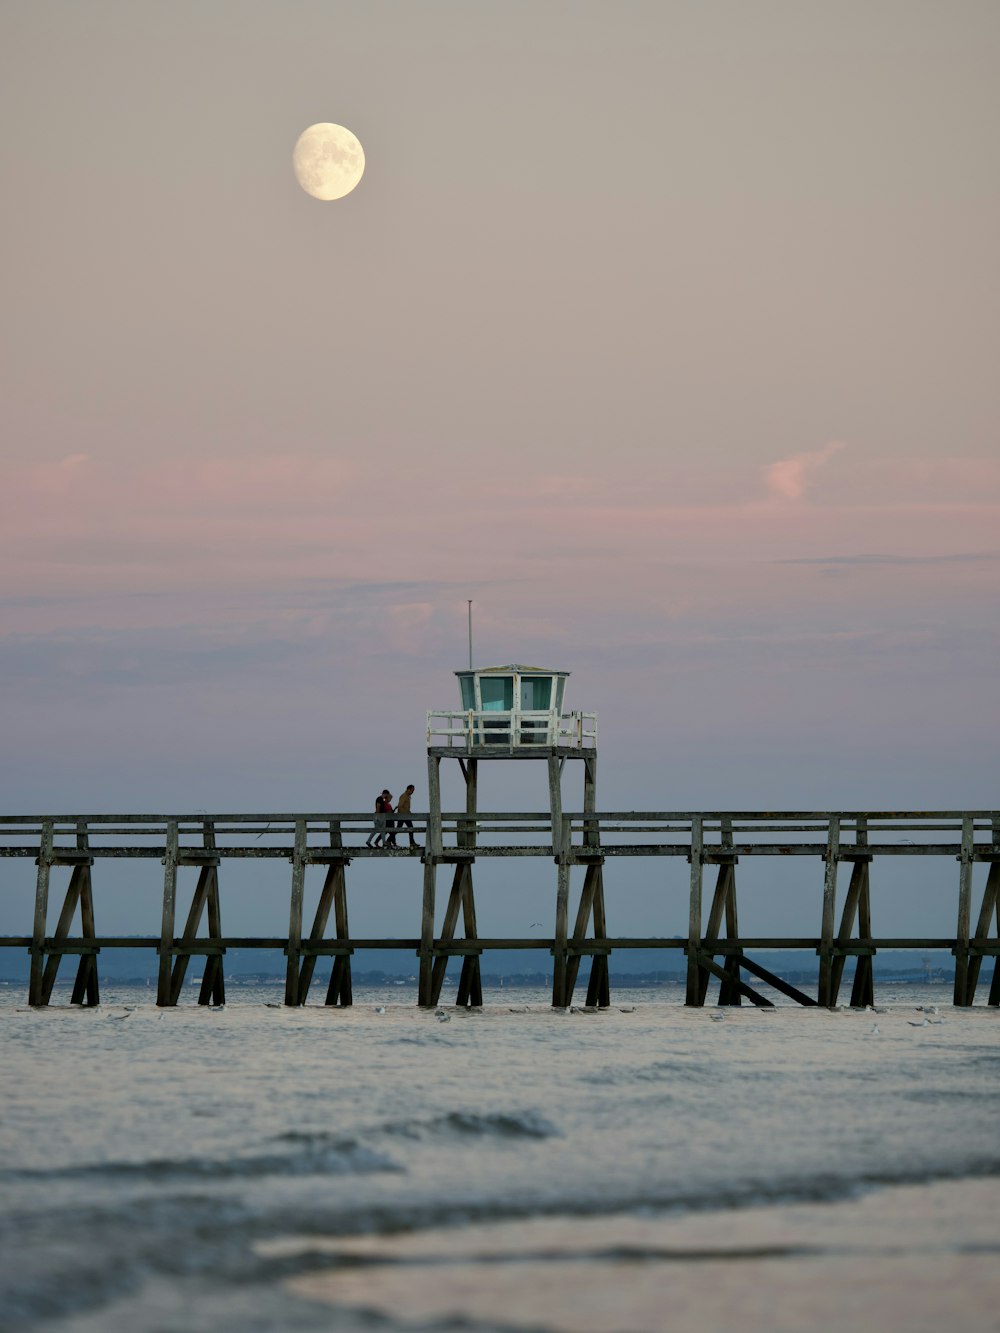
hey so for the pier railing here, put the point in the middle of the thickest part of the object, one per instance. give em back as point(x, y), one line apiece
point(512, 833)
point(710, 842)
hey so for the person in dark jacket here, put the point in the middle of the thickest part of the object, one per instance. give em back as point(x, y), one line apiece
point(403, 809)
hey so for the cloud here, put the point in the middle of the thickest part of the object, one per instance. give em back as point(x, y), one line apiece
point(877, 558)
point(407, 626)
point(46, 481)
point(790, 478)
point(67, 663)
point(308, 531)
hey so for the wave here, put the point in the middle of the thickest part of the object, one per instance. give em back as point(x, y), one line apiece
point(121, 1245)
point(305, 1152)
point(319, 1154)
point(470, 1124)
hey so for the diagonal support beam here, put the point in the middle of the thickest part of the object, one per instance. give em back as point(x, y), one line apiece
point(707, 961)
point(599, 987)
point(318, 932)
point(856, 891)
point(989, 907)
point(585, 909)
point(70, 904)
point(772, 979)
point(462, 873)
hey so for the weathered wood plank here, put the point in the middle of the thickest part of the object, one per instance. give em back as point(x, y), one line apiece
point(645, 850)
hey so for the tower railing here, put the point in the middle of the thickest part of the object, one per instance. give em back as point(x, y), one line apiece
point(510, 729)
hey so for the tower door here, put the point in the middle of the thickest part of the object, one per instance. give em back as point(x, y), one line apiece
point(536, 697)
point(536, 694)
point(497, 694)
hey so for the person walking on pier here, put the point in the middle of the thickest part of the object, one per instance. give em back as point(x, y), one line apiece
point(383, 804)
point(403, 808)
point(390, 824)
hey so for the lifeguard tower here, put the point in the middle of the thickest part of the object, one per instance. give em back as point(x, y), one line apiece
point(511, 712)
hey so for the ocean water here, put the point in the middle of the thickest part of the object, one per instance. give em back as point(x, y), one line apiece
point(203, 1168)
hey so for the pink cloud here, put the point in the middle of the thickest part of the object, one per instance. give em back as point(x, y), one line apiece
point(72, 462)
point(790, 478)
point(185, 525)
point(408, 626)
point(44, 480)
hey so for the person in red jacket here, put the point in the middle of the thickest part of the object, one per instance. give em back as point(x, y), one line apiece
point(390, 824)
point(383, 806)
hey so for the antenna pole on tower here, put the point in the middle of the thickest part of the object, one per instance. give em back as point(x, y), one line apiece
point(470, 633)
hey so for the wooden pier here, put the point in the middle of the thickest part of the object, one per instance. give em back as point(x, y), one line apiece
point(201, 855)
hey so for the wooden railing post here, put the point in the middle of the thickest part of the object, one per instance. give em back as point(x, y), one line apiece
point(470, 771)
point(433, 850)
point(560, 953)
point(425, 979)
point(825, 990)
point(962, 997)
point(591, 829)
point(555, 802)
point(213, 985)
point(170, 853)
point(294, 949)
point(41, 915)
point(693, 996)
point(434, 839)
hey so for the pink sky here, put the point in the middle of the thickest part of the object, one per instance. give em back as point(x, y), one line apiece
point(668, 333)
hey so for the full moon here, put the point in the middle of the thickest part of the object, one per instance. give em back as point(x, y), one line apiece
point(328, 161)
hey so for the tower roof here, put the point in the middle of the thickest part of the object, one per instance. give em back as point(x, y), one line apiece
point(517, 667)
